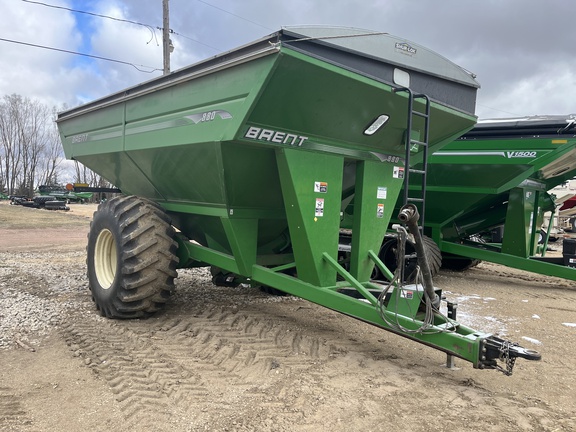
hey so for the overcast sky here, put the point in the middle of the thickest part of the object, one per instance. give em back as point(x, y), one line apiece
point(522, 51)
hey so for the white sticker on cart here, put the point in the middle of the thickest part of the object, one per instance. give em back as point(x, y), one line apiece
point(382, 192)
point(319, 207)
point(398, 172)
point(321, 187)
point(407, 294)
point(380, 211)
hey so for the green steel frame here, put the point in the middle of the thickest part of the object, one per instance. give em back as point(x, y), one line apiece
point(315, 254)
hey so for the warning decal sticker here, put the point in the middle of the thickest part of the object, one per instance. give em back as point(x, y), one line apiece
point(398, 172)
point(319, 207)
point(321, 187)
point(407, 294)
point(382, 192)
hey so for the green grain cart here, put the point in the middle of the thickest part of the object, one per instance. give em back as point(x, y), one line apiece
point(487, 192)
point(245, 163)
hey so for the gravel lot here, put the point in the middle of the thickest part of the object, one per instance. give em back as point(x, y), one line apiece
point(238, 360)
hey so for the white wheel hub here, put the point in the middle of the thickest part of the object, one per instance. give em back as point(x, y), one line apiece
point(105, 258)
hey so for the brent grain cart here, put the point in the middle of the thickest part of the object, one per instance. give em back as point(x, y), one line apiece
point(254, 154)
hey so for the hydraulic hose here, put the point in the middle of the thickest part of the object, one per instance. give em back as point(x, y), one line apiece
point(409, 216)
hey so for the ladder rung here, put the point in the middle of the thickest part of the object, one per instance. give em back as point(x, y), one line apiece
point(416, 171)
point(420, 143)
point(421, 114)
point(416, 199)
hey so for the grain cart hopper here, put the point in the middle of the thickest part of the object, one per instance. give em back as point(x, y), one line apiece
point(245, 154)
point(494, 180)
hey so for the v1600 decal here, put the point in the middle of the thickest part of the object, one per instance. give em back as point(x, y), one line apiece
point(505, 154)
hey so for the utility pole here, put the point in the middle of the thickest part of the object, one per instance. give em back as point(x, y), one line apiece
point(166, 43)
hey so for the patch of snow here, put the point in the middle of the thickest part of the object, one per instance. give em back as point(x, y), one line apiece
point(470, 314)
point(461, 299)
point(486, 324)
point(534, 341)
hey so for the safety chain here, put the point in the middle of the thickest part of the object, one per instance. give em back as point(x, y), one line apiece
point(505, 356)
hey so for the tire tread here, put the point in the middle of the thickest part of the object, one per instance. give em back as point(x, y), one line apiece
point(148, 255)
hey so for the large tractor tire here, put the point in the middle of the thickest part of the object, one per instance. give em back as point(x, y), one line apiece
point(30, 204)
point(56, 205)
point(223, 278)
point(41, 200)
point(388, 256)
point(131, 258)
point(458, 263)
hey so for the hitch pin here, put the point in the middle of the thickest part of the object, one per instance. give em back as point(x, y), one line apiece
point(452, 308)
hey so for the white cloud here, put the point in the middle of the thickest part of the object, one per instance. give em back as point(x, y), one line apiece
point(126, 42)
point(538, 94)
point(519, 49)
point(29, 71)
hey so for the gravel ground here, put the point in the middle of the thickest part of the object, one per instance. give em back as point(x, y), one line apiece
point(25, 318)
point(236, 359)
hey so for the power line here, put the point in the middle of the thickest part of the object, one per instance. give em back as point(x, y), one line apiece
point(148, 26)
point(85, 55)
point(233, 14)
point(193, 40)
point(151, 28)
point(496, 109)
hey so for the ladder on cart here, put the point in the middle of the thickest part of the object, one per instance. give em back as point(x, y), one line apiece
point(417, 194)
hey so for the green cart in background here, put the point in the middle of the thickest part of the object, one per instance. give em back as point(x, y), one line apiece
point(487, 193)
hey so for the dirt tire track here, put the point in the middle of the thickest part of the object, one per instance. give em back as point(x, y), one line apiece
point(245, 343)
point(151, 386)
point(169, 366)
point(179, 360)
point(12, 412)
point(220, 346)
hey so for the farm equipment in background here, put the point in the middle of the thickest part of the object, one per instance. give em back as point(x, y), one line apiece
point(254, 156)
point(61, 193)
point(487, 193)
point(565, 220)
point(40, 202)
point(50, 197)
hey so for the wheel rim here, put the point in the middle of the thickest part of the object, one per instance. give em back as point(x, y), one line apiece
point(388, 256)
point(105, 258)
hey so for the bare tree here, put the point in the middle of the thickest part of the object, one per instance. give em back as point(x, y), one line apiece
point(86, 175)
point(31, 153)
point(10, 150)
point(30, 150)
point(82, 173)
point(35, 135)
point(52, 158)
